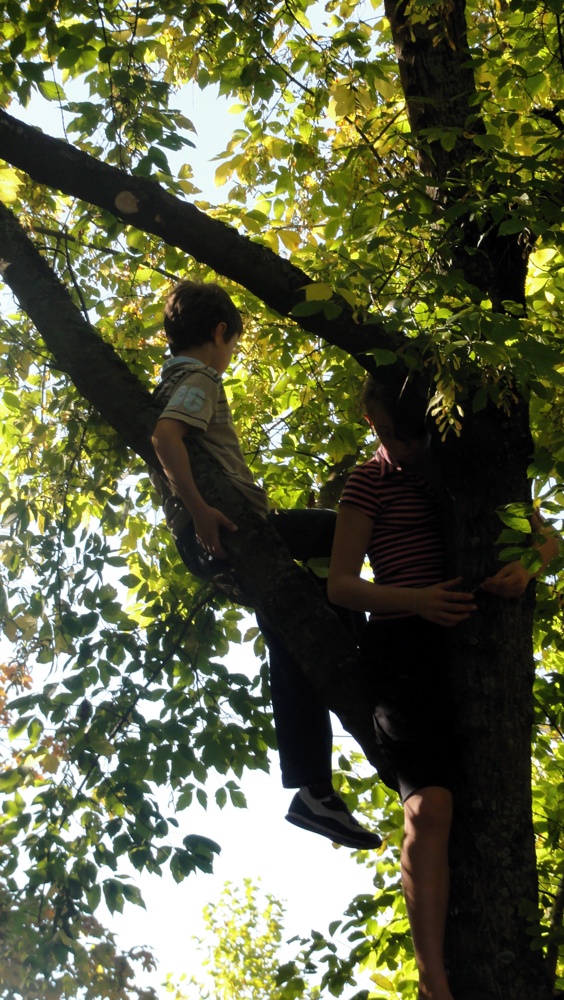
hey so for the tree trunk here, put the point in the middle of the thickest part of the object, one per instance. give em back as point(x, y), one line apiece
point(494, 910)
point(493, 916)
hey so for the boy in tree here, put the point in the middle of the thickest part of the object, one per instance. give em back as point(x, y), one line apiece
point(391, 511)
point(203, 327)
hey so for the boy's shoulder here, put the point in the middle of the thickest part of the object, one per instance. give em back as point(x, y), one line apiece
point(180, 367)
point(179, 372)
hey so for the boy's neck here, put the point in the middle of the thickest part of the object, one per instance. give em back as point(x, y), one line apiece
point(202, 352)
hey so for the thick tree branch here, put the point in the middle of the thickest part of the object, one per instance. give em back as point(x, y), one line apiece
point(285, 594)
point(96, 370)
point(146, 205)
point(437, 78)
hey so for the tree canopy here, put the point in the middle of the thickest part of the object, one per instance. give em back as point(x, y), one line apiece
point(394, 196)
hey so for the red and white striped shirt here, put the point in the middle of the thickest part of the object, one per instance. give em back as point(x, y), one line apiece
point(406, 545)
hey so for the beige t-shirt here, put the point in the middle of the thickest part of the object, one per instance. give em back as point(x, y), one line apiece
point(194, 394)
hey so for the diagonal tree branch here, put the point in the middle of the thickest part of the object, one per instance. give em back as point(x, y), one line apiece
point(146, 205)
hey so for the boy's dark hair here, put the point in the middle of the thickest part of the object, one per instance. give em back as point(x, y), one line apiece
point(194, 309)
point(403, 397)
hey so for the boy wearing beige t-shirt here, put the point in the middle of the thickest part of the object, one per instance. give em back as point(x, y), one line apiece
point(203, 327)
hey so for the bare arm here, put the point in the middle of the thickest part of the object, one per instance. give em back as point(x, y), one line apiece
point(512, 580)
point(440, 603)
point(169, 442)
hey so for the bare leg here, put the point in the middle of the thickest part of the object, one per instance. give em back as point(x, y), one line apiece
point(425, 876)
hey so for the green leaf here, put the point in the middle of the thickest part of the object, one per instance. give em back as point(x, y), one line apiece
point(448, 140)
point(133, 895)
point(542, 464)
point(479, 400)
point(318, 292)
point(308, 308)
point(106, 53)
point(32, 71)
point(517, 517)
point(17, 45)
point(515, 225)
point(384, 357)
point(113, 895)
point(488, 142)
point(51, 91)
point(237, 798)
point(17, 727)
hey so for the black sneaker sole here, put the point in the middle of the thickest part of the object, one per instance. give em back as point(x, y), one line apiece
point(333, 835)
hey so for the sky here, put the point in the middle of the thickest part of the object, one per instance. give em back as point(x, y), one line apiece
point(314, 879)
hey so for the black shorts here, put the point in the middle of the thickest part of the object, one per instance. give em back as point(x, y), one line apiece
point(404, 664)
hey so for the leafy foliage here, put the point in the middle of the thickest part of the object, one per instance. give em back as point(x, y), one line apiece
point(242, 951)
point(130, 689)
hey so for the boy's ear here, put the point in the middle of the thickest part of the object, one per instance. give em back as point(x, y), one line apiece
point(368, 421)
point(217, 334)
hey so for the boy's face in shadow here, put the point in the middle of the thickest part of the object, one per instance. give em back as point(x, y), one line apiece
point(223, 351)
point(405, 451)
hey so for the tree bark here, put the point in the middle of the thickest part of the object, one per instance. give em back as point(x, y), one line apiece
point(435, 64)
point(493, 915)
point(437, 80)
